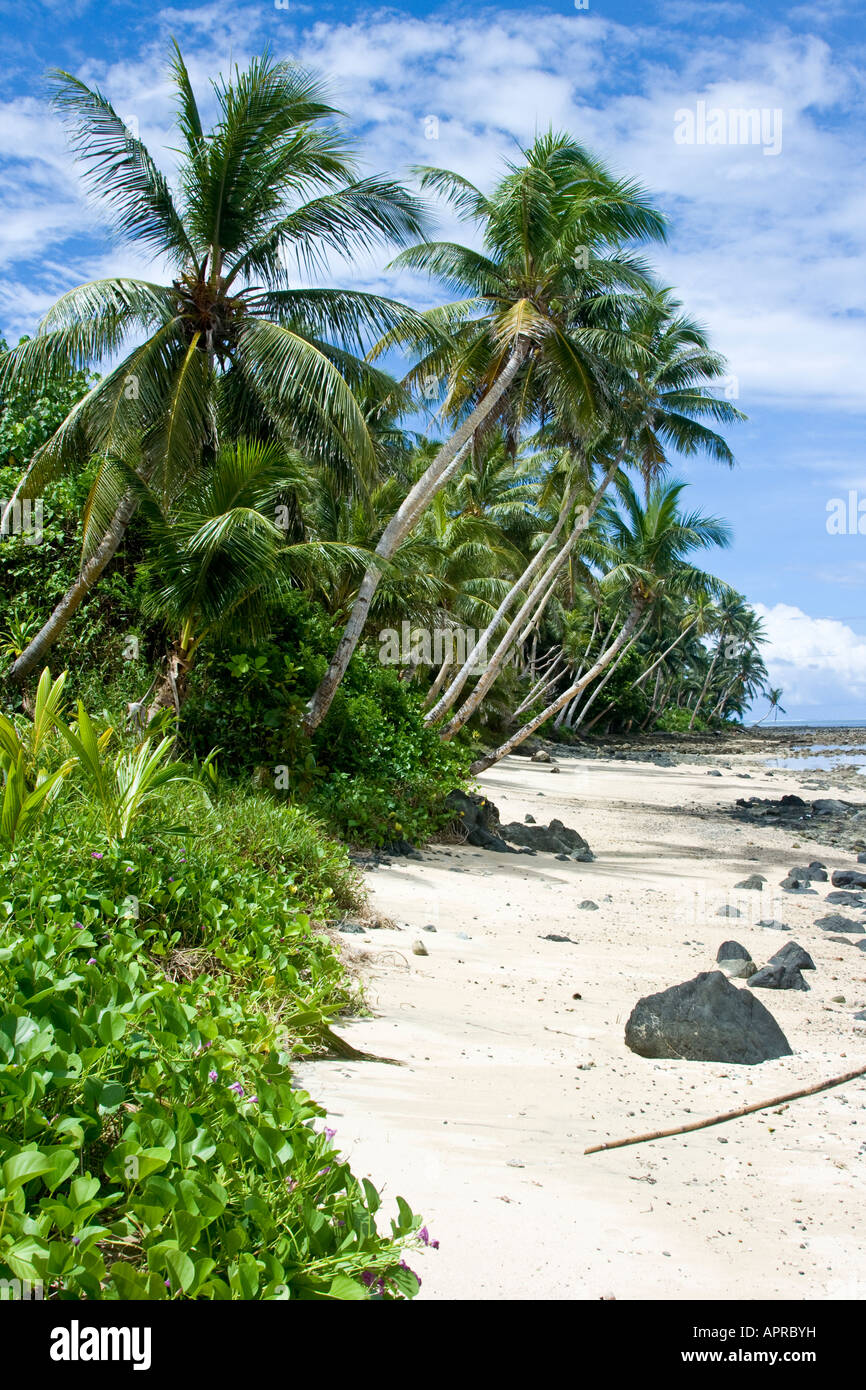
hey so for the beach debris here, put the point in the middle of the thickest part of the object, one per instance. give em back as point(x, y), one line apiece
point(540, 755)
point(729, 1114)
point(706, 1019)
point(792, 953)
point(553, 770)
point(419, 949)
point(588, 906)
point(778, 976)
point(773, 925)
point(834, 921)
point(755, 883)
point(554, 936)
point(429, 927)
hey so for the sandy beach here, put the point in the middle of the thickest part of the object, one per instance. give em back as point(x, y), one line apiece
point(514, 1059)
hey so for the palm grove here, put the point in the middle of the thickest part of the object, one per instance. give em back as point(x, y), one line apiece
point(243, 463)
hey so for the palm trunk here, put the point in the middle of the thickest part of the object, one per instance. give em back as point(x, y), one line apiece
point(496, 661)
point(517, 587)
point(600, 687)
point(439, 682)
point(172, 687)
point(603, 661)
point(538, 595)
point(34, 653)
point(709, 676)
point(446, 462)
point(649, 670)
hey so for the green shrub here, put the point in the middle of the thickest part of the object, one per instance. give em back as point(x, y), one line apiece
point(151, 1143)
point(675, 721)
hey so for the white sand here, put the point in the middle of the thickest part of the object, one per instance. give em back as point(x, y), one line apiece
point(508, 1077)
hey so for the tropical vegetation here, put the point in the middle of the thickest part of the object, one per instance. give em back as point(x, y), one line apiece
point(286, 562)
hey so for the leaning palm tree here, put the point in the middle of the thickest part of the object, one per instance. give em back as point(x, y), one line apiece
point(538, 322)
point(647, 548)
point(230, 344)
point(663, 398)
point(775, 707)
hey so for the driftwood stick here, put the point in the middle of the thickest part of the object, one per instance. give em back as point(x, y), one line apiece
point(730, 1114)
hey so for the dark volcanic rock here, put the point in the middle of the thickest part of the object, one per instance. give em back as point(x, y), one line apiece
point(848, 878)
point(707, 1019)
point(728, 911)
point(834, 921)
point(732, 950)
point(774, 925)
point(778, 977)
point(793, 954)
point(480, 820)
point(554, 838)
point(844, 897)
point(754, 881)
point(812, 873)
point(795, 885)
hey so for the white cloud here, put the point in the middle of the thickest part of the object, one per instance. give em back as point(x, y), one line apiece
point(767, 251)
point(820, 663)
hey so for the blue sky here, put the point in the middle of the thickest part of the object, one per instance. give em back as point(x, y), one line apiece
point(766, 246)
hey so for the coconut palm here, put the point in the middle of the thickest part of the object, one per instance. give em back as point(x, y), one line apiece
point(219, 562)
point(647, 546)
point(229, 344)
point(774, 695)
point(539, 320)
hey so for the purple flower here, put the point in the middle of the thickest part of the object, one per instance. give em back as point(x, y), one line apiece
point(254, 1100)
point(324, 1170)
point(76, 1240)
point(94, 854)
point(212, 1075)
point(171, 880)
point(79, 926)
point(237, 1088)
point(329, 1134)
point(92, 960)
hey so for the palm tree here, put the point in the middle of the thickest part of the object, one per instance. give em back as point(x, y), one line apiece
point(774, 695)
point(229, 344)
point(647, 548)
point(218, 561)
point(538, 321)
point(663, 395)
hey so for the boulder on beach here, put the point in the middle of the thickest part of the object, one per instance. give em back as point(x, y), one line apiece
point(778, 976)
point(834, 921)
point(732, 950)
point(554, 838)
point(848, 878)
point(706, 1019)
point(792, 953)
point(755, 882)
point(811, 873)
point(479, 819)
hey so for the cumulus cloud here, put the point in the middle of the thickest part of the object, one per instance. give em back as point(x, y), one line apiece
point(820, 663)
